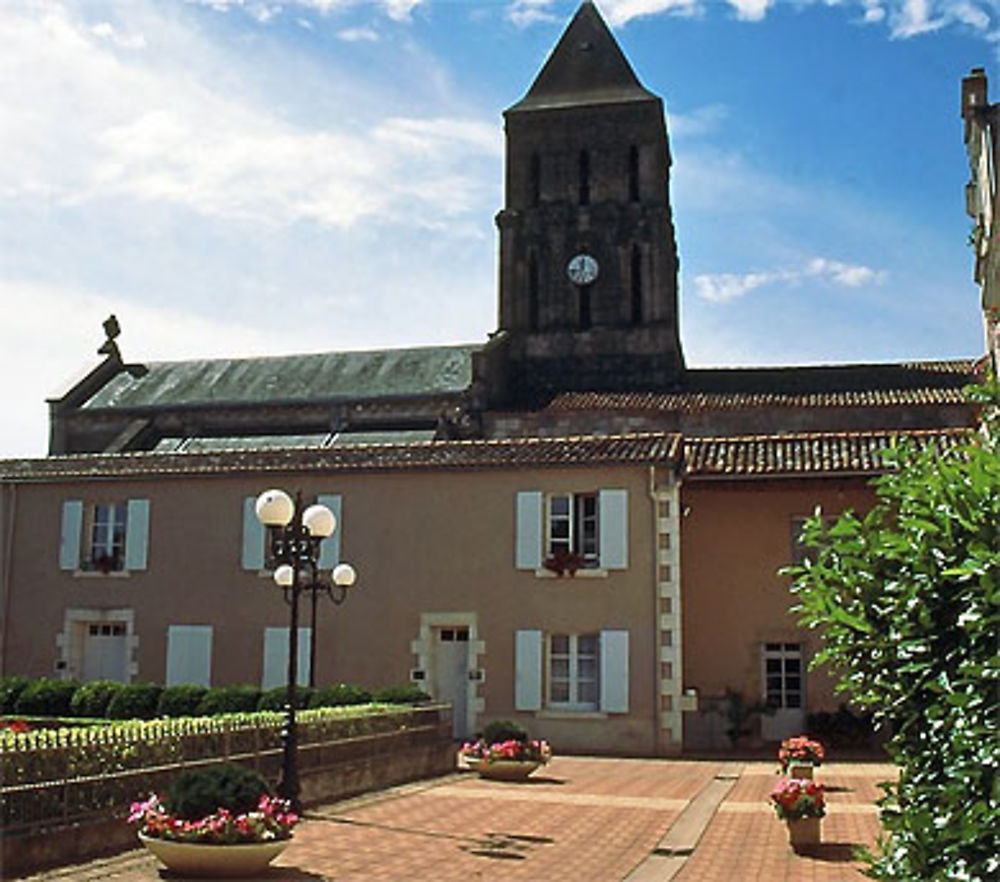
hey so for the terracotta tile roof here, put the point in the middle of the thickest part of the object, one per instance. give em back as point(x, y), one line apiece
point(811, 453)
point(637, 448)
point(909, 384)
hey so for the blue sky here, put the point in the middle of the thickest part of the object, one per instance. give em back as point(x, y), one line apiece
point(245, 177)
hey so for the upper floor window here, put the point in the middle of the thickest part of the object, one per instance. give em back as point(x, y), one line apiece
point(633, 173)
point(572, 527)
point(107, 539)
point(584, 178)
point(563, 532)
point(104, 537)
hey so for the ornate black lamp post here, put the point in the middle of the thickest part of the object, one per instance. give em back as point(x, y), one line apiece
point(295, 537)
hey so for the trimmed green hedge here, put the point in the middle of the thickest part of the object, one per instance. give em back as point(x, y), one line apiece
point(106, 699)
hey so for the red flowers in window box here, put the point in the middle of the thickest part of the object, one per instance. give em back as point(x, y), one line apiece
point(564, 562)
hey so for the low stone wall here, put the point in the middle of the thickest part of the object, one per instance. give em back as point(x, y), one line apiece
point(328, 772)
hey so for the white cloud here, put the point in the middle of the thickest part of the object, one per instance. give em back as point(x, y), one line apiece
point(358, 35)
point(913, 17)
point(523, 13)
point(178, 138)
point(750, 10)
point(620, 12)
point(700, 121)
point(398, 10)
point(725, 287)
point(107, 31)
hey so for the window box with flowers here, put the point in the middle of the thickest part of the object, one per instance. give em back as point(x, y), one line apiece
point(239, 837)
point(801, 804)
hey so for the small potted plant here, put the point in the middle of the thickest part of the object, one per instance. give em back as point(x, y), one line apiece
point(215, 821)
point(505, 752)
point(798, 756)
point(801, 804)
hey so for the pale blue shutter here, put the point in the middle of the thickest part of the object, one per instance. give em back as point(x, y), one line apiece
point(528, 547)
point(614, 672)
point(329, 549)
point(254, 534)
point(528, 670)
point(613, 529)
point(189, 655)
point(275, 668)
point(136, 534)
point(69, 537)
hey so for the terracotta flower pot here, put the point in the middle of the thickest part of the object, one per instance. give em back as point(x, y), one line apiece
point(800, 770)
point(507, 770)
point(214, 861)
point(803, 832)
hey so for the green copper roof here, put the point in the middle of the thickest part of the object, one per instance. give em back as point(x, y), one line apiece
point(350, 376)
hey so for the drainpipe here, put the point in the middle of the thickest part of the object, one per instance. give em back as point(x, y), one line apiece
point(656, 609)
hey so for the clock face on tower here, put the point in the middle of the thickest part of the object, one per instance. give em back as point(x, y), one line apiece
point(582, 269)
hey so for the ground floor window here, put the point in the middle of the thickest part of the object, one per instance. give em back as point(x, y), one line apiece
point(783, 682)
point(574, 671)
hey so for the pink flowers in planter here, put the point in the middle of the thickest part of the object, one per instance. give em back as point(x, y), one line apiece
point(796, 798)
point(273, 820)
point(532, 750)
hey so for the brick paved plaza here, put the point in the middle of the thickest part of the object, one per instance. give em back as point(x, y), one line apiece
point(576, 819)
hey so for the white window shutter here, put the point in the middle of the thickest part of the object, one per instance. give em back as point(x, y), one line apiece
point(189, 655)
point(528, 542)
point(254, 536)
point(69, 538)
point(614, 672)
point(275, 668)
point(528, 670)
point(613, 529)
point(136, 534)
point(329, 548)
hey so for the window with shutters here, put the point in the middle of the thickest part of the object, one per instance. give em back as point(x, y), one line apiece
point(569, 534)
point(104, 537)
point(574, 671)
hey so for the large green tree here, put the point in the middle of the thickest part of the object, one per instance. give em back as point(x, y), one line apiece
point(907, 600)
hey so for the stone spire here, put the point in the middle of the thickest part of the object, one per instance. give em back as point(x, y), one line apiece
point(586, 67)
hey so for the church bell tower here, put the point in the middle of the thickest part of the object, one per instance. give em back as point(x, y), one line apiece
point(588, 258)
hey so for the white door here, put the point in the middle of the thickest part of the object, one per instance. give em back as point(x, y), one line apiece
point(784, 691)
point(451, 675)
point(105, 651)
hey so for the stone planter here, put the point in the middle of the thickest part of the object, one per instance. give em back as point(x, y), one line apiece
point(214, 861)
point(803, 833)
point(800, 770)
point(507, 770)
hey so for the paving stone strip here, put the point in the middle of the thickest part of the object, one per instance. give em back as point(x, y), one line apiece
point(681, 839)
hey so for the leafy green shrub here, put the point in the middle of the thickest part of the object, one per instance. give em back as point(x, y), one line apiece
point(92, 699)
point(841, 729)
point(276, 699)
point(338, 695)
point(196, 793)
point(504, 730)
point(10, 690)
point(46, 697)
point(136, 701)
point(401, 693)
point(181, 700)
point(905, 598)
point(229, 700)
